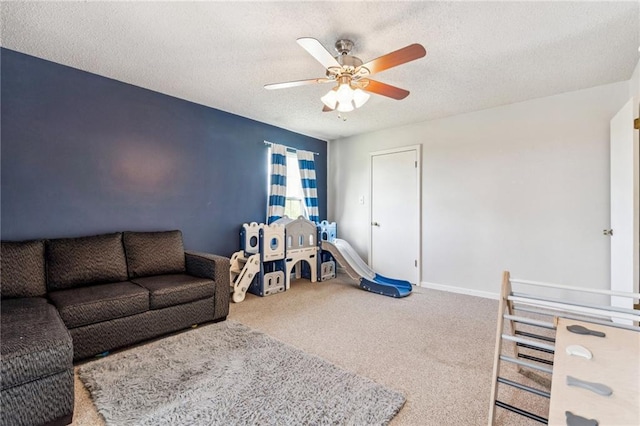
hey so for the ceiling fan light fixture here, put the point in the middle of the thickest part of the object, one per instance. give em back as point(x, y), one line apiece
point(330, 99)
point(345, 98)
point(360, 97)
point(344, 93)
point(345, 106)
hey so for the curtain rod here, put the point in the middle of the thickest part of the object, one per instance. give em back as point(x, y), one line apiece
point(290, 149)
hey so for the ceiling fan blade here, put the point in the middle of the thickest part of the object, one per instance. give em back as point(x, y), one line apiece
point(318, 51)
point(393, 59)
point(296, 83)
point(326, 109)
point(383, 89)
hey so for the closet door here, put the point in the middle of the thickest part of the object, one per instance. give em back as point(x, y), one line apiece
point(395, 214)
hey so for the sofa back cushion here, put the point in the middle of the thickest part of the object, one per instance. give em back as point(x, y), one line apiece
point(154, 253)
point(22, 272)
point(73, 262)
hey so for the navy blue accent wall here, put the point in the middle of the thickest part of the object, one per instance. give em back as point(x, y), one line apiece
point(84, 154)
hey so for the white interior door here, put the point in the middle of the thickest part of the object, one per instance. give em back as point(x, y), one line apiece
point(624, 203)
point(395, 214)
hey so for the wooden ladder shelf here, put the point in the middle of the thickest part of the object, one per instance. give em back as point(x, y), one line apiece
point(528, 333)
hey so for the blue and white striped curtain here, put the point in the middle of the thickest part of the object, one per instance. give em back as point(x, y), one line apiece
point(308, 176)
point(278, 186)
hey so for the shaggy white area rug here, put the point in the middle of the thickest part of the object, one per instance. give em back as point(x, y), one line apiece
point(229, 374)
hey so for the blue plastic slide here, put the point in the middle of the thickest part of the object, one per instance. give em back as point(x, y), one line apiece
point(355, 267)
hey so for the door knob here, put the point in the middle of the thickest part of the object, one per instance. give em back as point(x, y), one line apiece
point(375, 224)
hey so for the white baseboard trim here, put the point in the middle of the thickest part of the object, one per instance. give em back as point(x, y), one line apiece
point(460, 290)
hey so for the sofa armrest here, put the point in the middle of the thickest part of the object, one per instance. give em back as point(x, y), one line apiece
point(216, 268)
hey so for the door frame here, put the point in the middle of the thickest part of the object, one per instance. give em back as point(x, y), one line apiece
point(418, 150)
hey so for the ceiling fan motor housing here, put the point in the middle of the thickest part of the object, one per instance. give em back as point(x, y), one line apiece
point(343, 47)
point(348, 63)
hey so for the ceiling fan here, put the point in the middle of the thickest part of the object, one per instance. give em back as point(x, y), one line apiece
point(351, 74)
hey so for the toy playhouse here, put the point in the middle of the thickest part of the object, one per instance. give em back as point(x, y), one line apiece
point(271, 253)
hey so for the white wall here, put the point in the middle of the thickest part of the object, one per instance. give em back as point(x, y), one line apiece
point(634, 82)
point(523, 187)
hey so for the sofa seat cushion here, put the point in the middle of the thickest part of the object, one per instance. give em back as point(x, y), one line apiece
point(175, 289)
point(35, 342)
point(88, 305)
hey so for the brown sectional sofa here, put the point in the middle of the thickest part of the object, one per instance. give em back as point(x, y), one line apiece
point(106, 292)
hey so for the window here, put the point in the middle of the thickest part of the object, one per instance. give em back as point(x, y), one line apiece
point(294, 201)
point(294, 204)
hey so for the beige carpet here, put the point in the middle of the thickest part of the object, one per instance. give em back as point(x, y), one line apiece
point(434, 347)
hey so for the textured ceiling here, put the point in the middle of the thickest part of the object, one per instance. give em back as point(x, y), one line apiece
point(220, 54)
